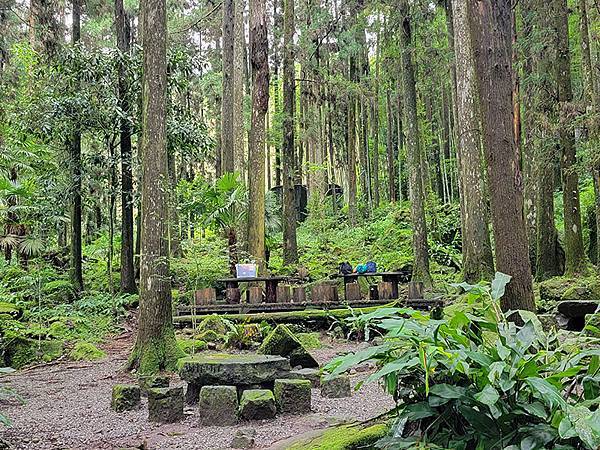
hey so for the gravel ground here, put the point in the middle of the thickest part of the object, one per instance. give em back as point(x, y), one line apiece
point(68, 407)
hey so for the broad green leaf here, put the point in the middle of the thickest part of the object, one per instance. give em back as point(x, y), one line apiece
point(499, 285)
point(545, 391)
point(488, 396)
point(448, 391)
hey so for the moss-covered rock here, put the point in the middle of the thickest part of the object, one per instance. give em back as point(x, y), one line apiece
point(293, 396)
point(165, 405)
point(191, 346)
point(86, 351)
point(281, 341)
point(218, 405)
point(336, 386)
point(563, 288)
point(21, 352)
point(154, 381)
point(310, 341)
point(210, 336)
point(213, 323)
point(345, 437)
point(257, 404)
point(125, 397)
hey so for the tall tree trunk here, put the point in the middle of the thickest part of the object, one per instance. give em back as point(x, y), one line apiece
point(259, 61)
point(375, 128)
point(490, 27)
point(576, 262)
point(155, 347)
point(478, 262)
point(390, 148)
point(123, 44)
point(413, 149)
point(75, 150)
point(227, 99)
point(351, 150)
point(239, 42)
point(548, 260)
point(290, 247)
point(591, 93)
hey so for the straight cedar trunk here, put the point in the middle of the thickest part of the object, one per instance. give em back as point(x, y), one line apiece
point(290, 247)
point(75, 153)
point(478, 262)
point(124, 45)
point(530, 180)
point(575, 259)
point(259, 61)
point(490, 28)
point(548, 259)
point(591, 93)
point(351, 147)
point(174, 233)
point(390, 148)
point(155, 347)
point(239, 41)
point(375, 128)
point(227, 99)
point(414, 153)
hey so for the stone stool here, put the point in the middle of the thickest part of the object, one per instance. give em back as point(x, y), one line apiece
point(292, 396)
point(165, 405)
point(257, 404)
point(218, 405)
point(336, 387)
point(125, 397)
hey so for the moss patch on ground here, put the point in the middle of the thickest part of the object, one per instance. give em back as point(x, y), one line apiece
point(345, 437)
point(85, 351)
point(310, 341)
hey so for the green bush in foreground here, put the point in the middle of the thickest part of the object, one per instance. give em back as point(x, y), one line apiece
point(477, 381)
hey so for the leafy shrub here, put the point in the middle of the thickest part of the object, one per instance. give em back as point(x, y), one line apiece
point(476, 380)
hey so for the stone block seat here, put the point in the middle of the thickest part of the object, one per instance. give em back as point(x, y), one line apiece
point(257, 404)
point(242, 371)
point(293, 396)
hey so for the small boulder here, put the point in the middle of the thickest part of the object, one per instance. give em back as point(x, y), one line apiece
point(165, 405)
point(244, 439)
point(218, 405)
point(336, 387)
point(312, 375)
point(125, 397)
point(257, 404)
point(281, 341)
point(293, 396)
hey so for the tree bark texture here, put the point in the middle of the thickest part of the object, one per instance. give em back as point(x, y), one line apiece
point(124, 45)
point(155, 347)
point(413, 150)
point(259, 61)
point(478, 262)
point(290, 248)
point(490, 25)
point(227, 100)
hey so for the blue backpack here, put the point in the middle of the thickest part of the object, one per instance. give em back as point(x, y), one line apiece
point(371, 267)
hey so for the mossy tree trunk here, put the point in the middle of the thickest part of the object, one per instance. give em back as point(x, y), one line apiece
point(490, 25)
point(155, 347)
point(227, 99)
point(413, 150)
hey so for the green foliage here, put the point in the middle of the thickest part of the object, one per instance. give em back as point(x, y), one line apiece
point(476, 380)
point(310, 341)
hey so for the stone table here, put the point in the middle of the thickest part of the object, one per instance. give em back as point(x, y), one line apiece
point(242, 370)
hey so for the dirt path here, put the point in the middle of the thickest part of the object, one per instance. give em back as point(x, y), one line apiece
point(68, 407)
